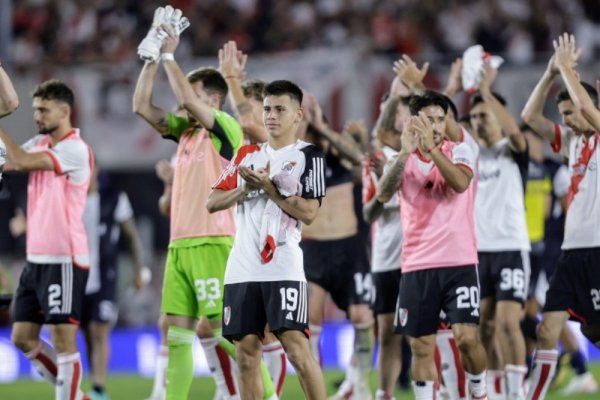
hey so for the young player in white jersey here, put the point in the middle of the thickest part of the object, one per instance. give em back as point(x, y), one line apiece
point(439, 255)
point(277, 187)
point(574, 288)
point(502, 239)
point(52, 286)
point(386, 247)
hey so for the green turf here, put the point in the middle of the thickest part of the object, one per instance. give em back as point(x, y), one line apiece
point(127, 387)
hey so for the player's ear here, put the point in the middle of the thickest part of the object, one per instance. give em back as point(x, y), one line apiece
point(299, 115)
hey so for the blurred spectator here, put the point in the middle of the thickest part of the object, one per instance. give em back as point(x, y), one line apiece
point(62, 31)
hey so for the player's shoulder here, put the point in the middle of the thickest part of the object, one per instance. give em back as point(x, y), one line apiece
point(309, 150)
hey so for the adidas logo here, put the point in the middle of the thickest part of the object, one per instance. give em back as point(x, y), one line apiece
point(211, 303)
point(55, 310)
point(289, 316)
point(475, 313)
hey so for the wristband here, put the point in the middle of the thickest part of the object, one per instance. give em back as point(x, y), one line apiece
point(167, 56)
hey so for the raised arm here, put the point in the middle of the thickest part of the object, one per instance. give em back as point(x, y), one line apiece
point(566, 55)
point(142, 99)
point(231, 65)
point(9, 101)
point(408, 72)
point(533, 112)
point(517, 141)
point(185, 94)
point(18, 159)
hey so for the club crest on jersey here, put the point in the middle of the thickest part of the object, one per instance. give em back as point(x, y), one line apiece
point(403, 316)
point(227, 315)
point(288, 166)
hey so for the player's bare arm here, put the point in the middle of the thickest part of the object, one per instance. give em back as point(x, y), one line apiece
point(342, 143)
point(18, 159)
point(454, 84)
point(533, 112)
point(372, 210)
point(183, 90)
point(411, 75)
point(510, 128)
point(566, 55)
point(231, 65)
point(219, 199)
point(457, 177)
point(142, 99)
point(9, 101)
point(135, 247)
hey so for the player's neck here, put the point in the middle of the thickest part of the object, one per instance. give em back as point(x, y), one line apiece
point(60, 133)
point(277, 143)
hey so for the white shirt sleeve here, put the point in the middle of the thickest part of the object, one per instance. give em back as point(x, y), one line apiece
point(566, 135)
point(123, 211)
point(561, 181)
point(470, 141)
point(463, 154)
point(71, 157)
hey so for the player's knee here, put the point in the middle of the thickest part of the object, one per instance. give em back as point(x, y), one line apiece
point(247, 359)
point(547, 335)
point(466, 340)
point(23, 343)
point(421, 348)
point(204, 329)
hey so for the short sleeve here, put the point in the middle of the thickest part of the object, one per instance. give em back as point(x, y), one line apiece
point(561, 181)
point(176, 126)
point(562, 139)
point(462, 154)
point(72, 158)
point(123, 211)
point(228, 129)
point(228, 180)
point(313, 176)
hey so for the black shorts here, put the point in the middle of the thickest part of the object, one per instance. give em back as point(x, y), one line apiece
point(423, 294)
point(504, 275)
point(101, 306)
point(249, 306)
point(575, 285)
point(386, 286)
point(50, 294)
point(341, 267)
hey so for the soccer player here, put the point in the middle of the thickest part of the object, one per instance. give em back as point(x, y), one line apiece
point(52, 285)
point(386, 247)
point(246, 99)
point(573, 291)
point(439, 253)
point(200, 242)
point(278, 187)
point(502, 240)
point(108, 212)
point(9, 101)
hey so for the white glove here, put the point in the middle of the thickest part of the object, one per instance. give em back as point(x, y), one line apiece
point(174, 17)
point(472, 70)
point(149, 48)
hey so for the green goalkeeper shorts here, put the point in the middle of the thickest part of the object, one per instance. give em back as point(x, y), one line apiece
point(193, 281)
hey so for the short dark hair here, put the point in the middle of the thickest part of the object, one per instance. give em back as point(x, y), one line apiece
point(54, 89)
point(451, 106)
point(283, 87)
point(478, 98)
point(211, 79)
point(254, 88)
point(564, 95)
point(430, 98)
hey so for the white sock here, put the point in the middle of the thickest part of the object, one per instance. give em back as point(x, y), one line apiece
point(424, 390)
point(477, 386)
point(43, 357)
point(453, 373)
point(363, 346)
point(515, 375)
point(68, 378)
point(276, 361)
point(496, 383)
point(544, 367)
point(220, 365)
point(383, 395)
point(315, 336)
point(159, 373)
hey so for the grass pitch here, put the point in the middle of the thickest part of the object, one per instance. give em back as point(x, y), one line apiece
point(131, 387)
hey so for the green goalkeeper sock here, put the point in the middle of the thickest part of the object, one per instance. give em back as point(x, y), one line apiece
point(180, 369)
